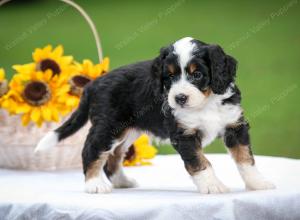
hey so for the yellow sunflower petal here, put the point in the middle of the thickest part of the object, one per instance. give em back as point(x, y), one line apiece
point(46, 113)
point(25, 68)
point(86, 66)
point(37, 55)
point(2, 74)
point(105, 64)
point(72, 101)
point(58, 51)
point(64, 111)
point(39, 122)
point(47, 50)
point(35, 114)
point(67, 59)
point(47, 75)
point(142, 140)
point(148, 152)
point(25, 119)
point(39, 75)
point(55, 116)
point(146, 163)
point(22, 108)
point(63, 90)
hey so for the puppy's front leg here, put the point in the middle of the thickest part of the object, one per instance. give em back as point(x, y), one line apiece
point(197, 165)
point(237, 140)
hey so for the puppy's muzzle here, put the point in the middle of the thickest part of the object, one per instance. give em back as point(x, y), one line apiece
point(181, 99)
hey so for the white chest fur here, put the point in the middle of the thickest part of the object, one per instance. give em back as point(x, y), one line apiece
point(211, 119)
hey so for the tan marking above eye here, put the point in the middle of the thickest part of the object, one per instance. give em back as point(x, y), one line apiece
point(171, 69)
point(192, 68)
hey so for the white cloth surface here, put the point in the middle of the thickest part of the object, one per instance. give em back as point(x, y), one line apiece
point(165, 192)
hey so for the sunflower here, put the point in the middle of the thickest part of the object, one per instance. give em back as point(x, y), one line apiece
point(48, 58)
point(3, 86)
point(84, 73)
point(140, 152)
point(53, 59)
point(87, 72)
point(34, 96)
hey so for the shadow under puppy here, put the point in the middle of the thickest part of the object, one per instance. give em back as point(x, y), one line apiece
point(186, 94)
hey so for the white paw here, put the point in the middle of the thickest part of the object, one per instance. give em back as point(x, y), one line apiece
point(253, 179)
point(208, 183)
point(259, 184)
point(212, 187)
point(97, 185)
point(124, 182)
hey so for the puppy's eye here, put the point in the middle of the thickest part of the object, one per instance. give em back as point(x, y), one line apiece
point(197, 74)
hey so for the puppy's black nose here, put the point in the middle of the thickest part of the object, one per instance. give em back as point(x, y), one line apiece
point(181, 99)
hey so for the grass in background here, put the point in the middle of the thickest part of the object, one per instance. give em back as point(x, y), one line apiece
point(264, 36)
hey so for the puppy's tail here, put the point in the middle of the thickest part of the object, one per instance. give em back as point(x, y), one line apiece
point(77, 120)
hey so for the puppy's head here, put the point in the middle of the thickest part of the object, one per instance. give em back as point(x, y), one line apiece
point(191, 71)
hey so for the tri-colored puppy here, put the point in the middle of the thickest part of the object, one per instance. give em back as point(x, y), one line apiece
point(187, 94)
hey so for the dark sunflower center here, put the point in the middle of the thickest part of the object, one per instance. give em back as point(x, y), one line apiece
point(36, 93)
point(49, 64)
point(3, 88)
point(130, 155)
point(78, 82)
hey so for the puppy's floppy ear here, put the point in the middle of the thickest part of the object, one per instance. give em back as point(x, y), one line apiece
point(158, 62)
point(157, 67)
point(222, 67)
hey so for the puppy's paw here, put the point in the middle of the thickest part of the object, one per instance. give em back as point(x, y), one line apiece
point(208, 183)
point(97, 185)
point(259, 184)
point(212, 187)
point(124, 182)
point(253, 179)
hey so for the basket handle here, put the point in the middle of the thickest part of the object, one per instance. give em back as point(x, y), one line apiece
point(88, 20)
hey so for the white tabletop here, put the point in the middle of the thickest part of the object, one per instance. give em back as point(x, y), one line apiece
point(165, 192)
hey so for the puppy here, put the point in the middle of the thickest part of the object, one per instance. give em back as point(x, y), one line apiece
point(187, 94)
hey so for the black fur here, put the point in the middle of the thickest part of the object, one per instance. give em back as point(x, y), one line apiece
point(223, 69)
point(128, 97)
point(238, 135)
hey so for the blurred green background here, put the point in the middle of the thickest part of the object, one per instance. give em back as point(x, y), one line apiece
point(264, 36)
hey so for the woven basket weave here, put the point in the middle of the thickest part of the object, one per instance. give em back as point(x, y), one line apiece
point(17, 142)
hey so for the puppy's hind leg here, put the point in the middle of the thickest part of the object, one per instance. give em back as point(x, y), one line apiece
point(115, 172)
point(94, 157)
point(114, 167)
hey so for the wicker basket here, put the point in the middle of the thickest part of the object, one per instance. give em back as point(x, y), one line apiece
point(17, 143)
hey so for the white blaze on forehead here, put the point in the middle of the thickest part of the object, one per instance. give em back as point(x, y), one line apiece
point(183, 48)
